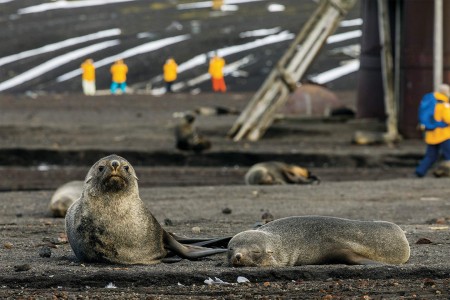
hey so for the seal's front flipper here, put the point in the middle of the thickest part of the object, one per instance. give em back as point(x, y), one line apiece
point(188, 251)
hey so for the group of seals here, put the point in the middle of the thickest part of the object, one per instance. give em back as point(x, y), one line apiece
point(187, 138)
point(64, 196)
point(274, 172)
point(311, 240)
point(110, 223)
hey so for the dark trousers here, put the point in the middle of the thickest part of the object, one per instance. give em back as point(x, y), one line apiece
point(431, 156)
point(169, 86)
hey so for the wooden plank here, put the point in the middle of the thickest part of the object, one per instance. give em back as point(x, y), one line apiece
point(259, 113)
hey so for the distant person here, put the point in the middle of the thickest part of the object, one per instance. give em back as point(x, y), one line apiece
point(119, 72)
point(170, 73)
point(216, 65)
point(88, 77)
point(437, 131)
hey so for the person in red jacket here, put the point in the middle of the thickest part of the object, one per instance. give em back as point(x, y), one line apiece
point(119, 72)
point(216, 65)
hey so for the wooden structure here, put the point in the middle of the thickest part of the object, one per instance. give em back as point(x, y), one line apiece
point(259, 113)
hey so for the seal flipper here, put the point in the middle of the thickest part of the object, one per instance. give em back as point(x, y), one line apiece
point(349, 257)
point(188, 251)
point(211, 242)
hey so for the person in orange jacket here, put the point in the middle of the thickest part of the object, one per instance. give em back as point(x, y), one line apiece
point(216, 65)
point(119, 72)
point(88, 77)
point(438, 139)
point(170, 73)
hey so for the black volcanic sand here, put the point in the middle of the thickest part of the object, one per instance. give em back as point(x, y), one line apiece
point(50, 139)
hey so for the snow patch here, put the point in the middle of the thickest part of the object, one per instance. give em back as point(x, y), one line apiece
point(63, 4)
point(54, 63)
point(59, 45)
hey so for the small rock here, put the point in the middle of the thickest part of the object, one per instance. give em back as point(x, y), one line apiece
point(422, 241)
point(19, 215)
point(45, 252)
point(196, 229)
point(21, 268)
point(266, 284)
point(168, 222)
point(226, 211)
point(8, 245)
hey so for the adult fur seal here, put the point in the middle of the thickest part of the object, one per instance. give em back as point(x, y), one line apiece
point(64, 196)
point(274, 172)
point(110, 223)
point(187, 138)
point(311, 240)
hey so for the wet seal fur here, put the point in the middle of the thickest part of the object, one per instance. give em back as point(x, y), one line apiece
point(187, 137)
point(111, 224)
point(64, 196)
point(312, 240)
point(274, 172)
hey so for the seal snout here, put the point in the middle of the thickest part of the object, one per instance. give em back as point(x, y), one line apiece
point(115, 164)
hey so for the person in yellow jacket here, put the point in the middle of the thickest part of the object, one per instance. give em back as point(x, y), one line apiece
point(170, 73)
point(438, 139)
point(88, 77)
point(119, 72)
point(216, 65)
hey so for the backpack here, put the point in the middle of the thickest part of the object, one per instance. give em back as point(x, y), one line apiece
point(426, 113)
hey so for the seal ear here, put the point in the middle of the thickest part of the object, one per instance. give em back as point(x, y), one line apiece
point(88, 179)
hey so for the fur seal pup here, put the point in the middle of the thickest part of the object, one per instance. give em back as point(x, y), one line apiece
point(64, 196)
point(111, 224)
point(312, 240)
point(215, 111)
point(187, 138)
point(274, 172)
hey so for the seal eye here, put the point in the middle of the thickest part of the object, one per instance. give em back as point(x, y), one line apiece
point(101, 168)
point(127, 168)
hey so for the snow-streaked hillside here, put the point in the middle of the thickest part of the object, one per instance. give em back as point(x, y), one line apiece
point(44, 42)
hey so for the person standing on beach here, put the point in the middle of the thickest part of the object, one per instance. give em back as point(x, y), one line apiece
point(119, 72)
point(216, 65)
point(170, 73)
point(437, 135)
point(88, 77)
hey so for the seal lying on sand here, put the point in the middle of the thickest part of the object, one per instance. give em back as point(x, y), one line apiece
point(274, 172)
point(215, 111)
point(64, 196)
point(110, 223)
point(312, 240)
point(187, 137)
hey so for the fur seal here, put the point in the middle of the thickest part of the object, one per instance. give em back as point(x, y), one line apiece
point(111, 224)
point(187, 138)
point(215, 111)
point(64, 196)
point(312, 240)
point(274, 172)
point(443, 169)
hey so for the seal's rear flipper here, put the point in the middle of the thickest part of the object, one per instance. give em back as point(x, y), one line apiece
point(211, 242)
point(351, 258)
point(188, 251)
